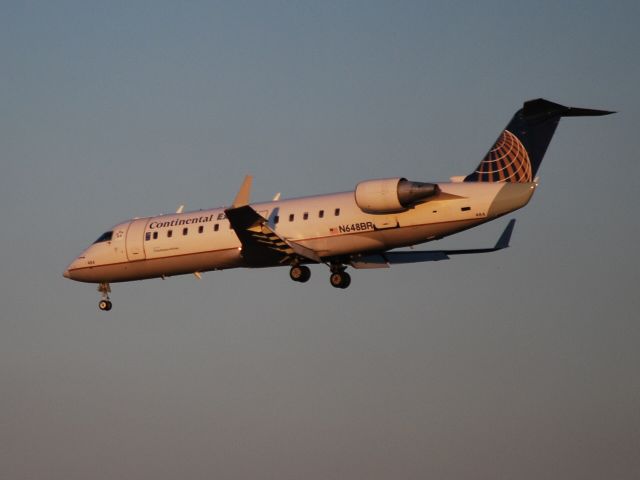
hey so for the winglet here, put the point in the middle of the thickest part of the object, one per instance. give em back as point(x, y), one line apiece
point(503, 241)
point(242, 198)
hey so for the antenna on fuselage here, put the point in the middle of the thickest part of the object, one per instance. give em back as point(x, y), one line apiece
point(180, 209)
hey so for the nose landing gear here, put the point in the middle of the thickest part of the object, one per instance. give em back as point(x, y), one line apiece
point(105, 304)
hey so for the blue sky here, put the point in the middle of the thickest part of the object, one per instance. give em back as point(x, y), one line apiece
point(521, 363)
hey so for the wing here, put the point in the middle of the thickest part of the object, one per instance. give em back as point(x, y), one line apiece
point(383, 260)
point(261, 245)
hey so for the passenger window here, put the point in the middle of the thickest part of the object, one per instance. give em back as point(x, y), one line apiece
point(169, 233)
point(305, 216)
point(291, 217)
point(155, 235)
point(321, 214)
point(337, 212)
point(200, 229)
point(185, 231)
point(465, 209)
point(147, 236)
point(216, 227)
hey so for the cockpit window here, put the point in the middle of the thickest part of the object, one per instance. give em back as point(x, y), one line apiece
point(105, 237)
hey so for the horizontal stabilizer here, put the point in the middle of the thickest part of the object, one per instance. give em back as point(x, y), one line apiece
point(544, 108)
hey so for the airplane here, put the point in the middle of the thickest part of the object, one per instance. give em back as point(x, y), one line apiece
point(359, 228)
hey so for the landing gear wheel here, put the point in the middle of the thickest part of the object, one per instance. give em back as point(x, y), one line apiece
point(300, 273)
point(340, 279)
point(105, 305)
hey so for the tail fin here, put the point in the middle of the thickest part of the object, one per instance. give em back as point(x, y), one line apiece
point(517, 153)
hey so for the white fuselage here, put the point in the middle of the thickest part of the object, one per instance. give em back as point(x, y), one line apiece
point(331, 225)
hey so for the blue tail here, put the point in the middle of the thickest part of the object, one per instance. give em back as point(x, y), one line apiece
point(517, 153)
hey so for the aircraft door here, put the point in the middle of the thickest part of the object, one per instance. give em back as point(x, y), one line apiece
point(135, 239)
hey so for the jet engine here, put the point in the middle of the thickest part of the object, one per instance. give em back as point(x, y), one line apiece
point(392, 195)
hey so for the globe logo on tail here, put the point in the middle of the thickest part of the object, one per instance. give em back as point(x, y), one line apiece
point(507, 161)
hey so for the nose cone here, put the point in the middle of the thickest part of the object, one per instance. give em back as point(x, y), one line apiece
point(68, 272)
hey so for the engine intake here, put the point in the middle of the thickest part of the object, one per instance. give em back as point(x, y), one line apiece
point(392, 195)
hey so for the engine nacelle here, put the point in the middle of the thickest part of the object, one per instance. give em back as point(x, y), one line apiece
point(392, 195)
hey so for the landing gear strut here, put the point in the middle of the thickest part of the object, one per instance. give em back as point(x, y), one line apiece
point(339, 278)
point(300, 273)
point(105, 304)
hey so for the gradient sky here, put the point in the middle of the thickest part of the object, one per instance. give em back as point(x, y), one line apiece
point(520, 364)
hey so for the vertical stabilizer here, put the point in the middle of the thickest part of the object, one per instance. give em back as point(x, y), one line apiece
point(517, 153)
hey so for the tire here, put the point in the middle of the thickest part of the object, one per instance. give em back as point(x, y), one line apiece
point(340, 279)
point(346, 280)
point(306, 274)
point(337, 279)
point(300, 273)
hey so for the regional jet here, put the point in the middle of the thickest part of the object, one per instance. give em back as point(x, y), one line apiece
point(360, 228)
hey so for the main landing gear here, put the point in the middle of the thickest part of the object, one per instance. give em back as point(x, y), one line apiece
point(300, 273)
point(338, 279)
point(105, 304)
